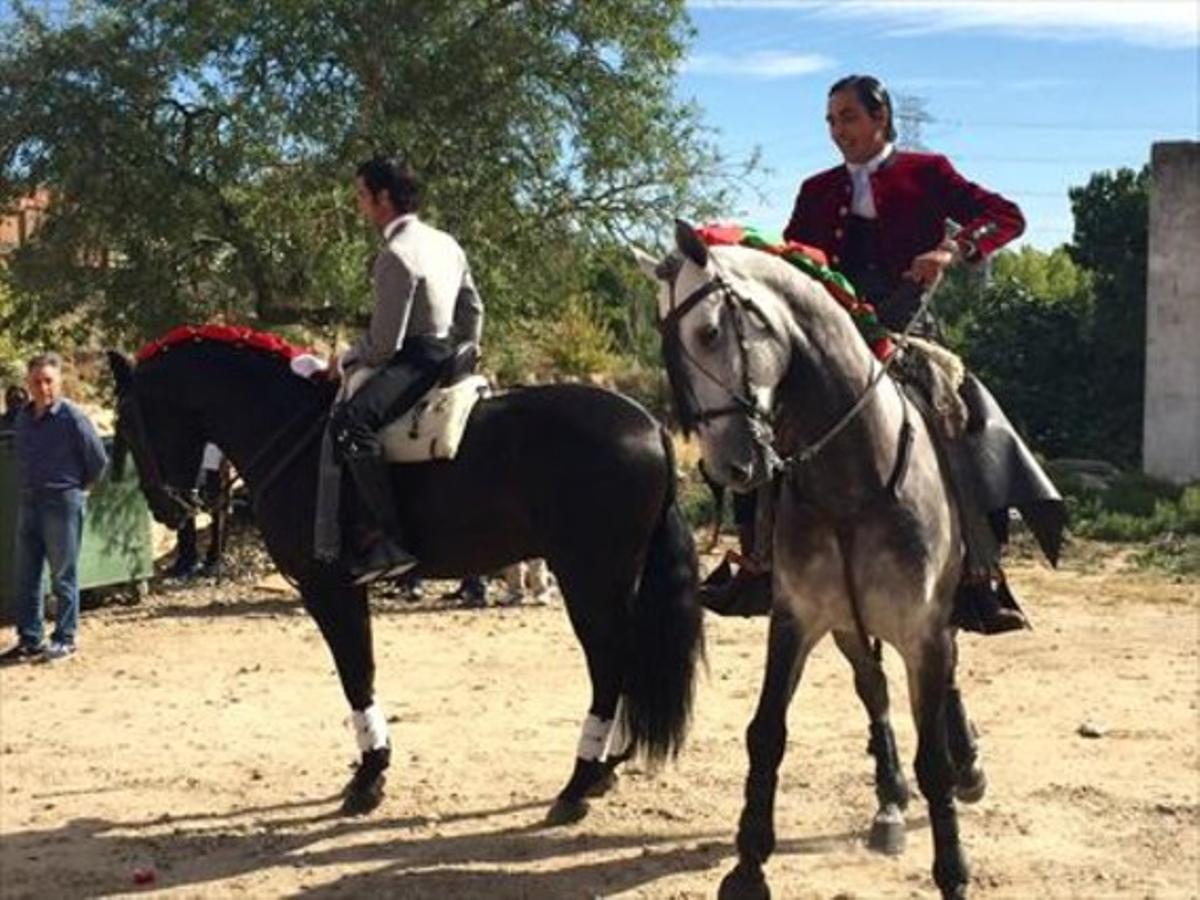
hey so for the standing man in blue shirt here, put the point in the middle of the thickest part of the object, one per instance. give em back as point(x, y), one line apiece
point(59, 458)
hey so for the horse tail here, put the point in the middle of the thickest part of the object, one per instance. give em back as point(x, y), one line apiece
point(668, 636)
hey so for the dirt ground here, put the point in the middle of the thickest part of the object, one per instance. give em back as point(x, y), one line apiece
point(199, 739)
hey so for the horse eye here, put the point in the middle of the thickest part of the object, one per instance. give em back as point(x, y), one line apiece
point(708, 334)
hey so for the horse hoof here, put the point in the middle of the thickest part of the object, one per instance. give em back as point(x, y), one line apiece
point(744, 883)
point(971, 785)
point(958, 892)
point(607, 782)
point(565, 812)
point(887, 831)
point(361, 799)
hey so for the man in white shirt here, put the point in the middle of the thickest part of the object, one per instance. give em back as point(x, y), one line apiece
point(425, 306)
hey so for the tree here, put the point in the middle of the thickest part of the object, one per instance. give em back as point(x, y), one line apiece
point(1112, 222)
point(1052, 277)
point(1034, 353)
point(200, 154)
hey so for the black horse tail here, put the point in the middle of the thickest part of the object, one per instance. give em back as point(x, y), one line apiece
point(668, 635)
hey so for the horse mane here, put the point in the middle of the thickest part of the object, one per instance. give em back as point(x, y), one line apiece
point(805, 296)
point(811, 299)
point(228, 335)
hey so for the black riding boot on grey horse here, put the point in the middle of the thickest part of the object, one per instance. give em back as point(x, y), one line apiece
point(984, 602)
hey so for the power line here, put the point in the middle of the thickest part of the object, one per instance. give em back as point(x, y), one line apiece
point(911, 116)
point(1062, 126)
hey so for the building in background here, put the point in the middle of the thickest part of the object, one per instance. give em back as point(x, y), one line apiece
point(1171, 422)
point(18, 222)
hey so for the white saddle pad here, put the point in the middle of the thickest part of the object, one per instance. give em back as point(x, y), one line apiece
point(434, 427)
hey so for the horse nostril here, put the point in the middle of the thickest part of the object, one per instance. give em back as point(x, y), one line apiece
point(740, 473)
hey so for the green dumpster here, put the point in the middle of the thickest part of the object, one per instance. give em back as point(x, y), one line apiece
point(116, 545)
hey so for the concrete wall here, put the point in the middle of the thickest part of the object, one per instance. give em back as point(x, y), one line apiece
point(1171, 430)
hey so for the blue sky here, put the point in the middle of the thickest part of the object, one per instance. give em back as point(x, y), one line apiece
point(1027, 98)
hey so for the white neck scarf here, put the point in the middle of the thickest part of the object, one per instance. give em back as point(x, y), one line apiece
point(863, 203)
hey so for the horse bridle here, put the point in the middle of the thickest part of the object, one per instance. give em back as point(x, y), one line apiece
point(743, 400)
point(129, 415)
point(762, 421)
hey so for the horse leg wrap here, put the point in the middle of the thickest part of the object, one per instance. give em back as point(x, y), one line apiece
point(370, 728)
point(593, 737)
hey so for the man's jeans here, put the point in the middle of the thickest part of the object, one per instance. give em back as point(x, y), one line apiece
point(49, 525)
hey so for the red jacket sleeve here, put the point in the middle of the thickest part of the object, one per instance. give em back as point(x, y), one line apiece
point(975, 208)
point(796, 230)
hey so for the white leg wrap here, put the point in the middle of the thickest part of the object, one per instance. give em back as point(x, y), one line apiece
point(370, 728)
point(539, 576)
point(618, 737)
point(592, 737)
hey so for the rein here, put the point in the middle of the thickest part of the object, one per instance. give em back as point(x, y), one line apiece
point(132, 422)
point(743, 401)
point(807, 454)
point(281, 465)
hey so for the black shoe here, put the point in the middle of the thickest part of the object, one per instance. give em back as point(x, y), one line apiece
point(987, 607)
point(745, 594)
point(384, 559)
point(22, 652)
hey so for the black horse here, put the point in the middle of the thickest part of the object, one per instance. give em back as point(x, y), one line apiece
point(580, 476)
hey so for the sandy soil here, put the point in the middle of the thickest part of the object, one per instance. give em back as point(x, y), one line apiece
point(202, 736)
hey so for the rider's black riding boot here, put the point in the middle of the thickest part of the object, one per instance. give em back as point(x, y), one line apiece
point(382, 554)
point(983, 602)
point(748, 592)
point(744, 593)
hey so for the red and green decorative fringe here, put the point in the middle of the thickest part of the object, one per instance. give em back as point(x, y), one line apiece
point(812, 262)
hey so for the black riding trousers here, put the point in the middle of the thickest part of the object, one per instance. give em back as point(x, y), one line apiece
point(388, 394)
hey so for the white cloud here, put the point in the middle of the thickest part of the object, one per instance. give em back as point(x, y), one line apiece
point(763, 64)
point(1160, 23)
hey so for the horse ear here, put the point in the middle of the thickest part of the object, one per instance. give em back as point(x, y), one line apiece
point(122, 370)
point(689, 243)
point(647, 263)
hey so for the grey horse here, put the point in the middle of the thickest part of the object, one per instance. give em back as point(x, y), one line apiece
point(867, 538)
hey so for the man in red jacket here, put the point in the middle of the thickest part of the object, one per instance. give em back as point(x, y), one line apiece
point(880, 218)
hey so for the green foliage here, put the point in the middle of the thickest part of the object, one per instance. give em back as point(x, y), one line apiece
point(576, 345)
point(1132, 507)
point(1053, 276)
point(1112, 223)
point(1059, 337)
point(200, 155)
point(1034, 355)
point(12, 353)
point(1176, 554)
point(1129, 507)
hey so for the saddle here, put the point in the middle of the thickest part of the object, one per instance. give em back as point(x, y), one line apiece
point(434, 426)
point(938, 375)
